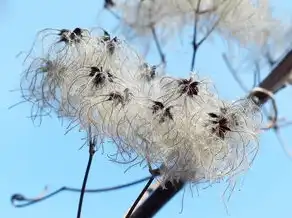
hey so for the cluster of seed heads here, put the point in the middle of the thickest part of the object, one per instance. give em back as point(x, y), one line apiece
point(180, 124)
point(244, 21)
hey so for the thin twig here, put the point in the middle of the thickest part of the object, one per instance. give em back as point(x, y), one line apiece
point(139, 197)
point(30, 201)
point(92, 143)
point(287, 123)
point(285, 147)
point(257, 75)
point(234, 74)
point(115, 15)
point(158, 46)
point(195, 45)
point(270, 60)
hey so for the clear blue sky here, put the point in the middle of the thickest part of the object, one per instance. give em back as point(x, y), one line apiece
point(32, 157)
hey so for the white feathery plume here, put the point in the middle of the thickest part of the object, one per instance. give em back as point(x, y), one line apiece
point(180, 124)
point(245, 21)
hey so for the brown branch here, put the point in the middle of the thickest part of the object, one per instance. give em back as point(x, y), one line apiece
point(157, 199)
point(144, 190)
point(276, 80)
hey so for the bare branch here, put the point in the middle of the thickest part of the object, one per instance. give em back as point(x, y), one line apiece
point(30, 201)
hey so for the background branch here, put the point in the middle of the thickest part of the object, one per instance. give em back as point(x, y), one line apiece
point(158, 46)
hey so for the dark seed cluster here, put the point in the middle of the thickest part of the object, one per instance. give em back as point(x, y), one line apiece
point(188, 87)
point(220, 125)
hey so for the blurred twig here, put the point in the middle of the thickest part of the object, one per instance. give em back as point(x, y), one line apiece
point(196, 44)
point(158, 46)
point(234, 73)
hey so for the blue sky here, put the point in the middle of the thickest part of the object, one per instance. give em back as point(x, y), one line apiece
point(32, 156)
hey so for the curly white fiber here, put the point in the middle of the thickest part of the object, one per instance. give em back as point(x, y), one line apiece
point(246, 21)
point(180, 124)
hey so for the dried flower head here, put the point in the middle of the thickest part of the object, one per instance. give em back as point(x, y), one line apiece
point(244, 21)
point(180, 124)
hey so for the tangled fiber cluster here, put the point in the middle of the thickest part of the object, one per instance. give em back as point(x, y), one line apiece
point(245, 21)
point(180, 125)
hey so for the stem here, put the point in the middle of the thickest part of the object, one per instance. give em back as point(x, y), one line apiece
point(91, 153)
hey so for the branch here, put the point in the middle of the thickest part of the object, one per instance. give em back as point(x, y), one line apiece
point(139, 197)
point(285, 147)
point(157, 199)
point(276, 80)
point(30, 201)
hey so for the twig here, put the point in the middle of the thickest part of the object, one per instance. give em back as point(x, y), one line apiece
point(114, 14)
point(234, 74)
point(195, 45)
point(158, 46)
point(286, 149)
point(30, 201)
point(270, 60)
point(92, 143)
point(273, 124)
point(287, 123)
point(257, 75)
